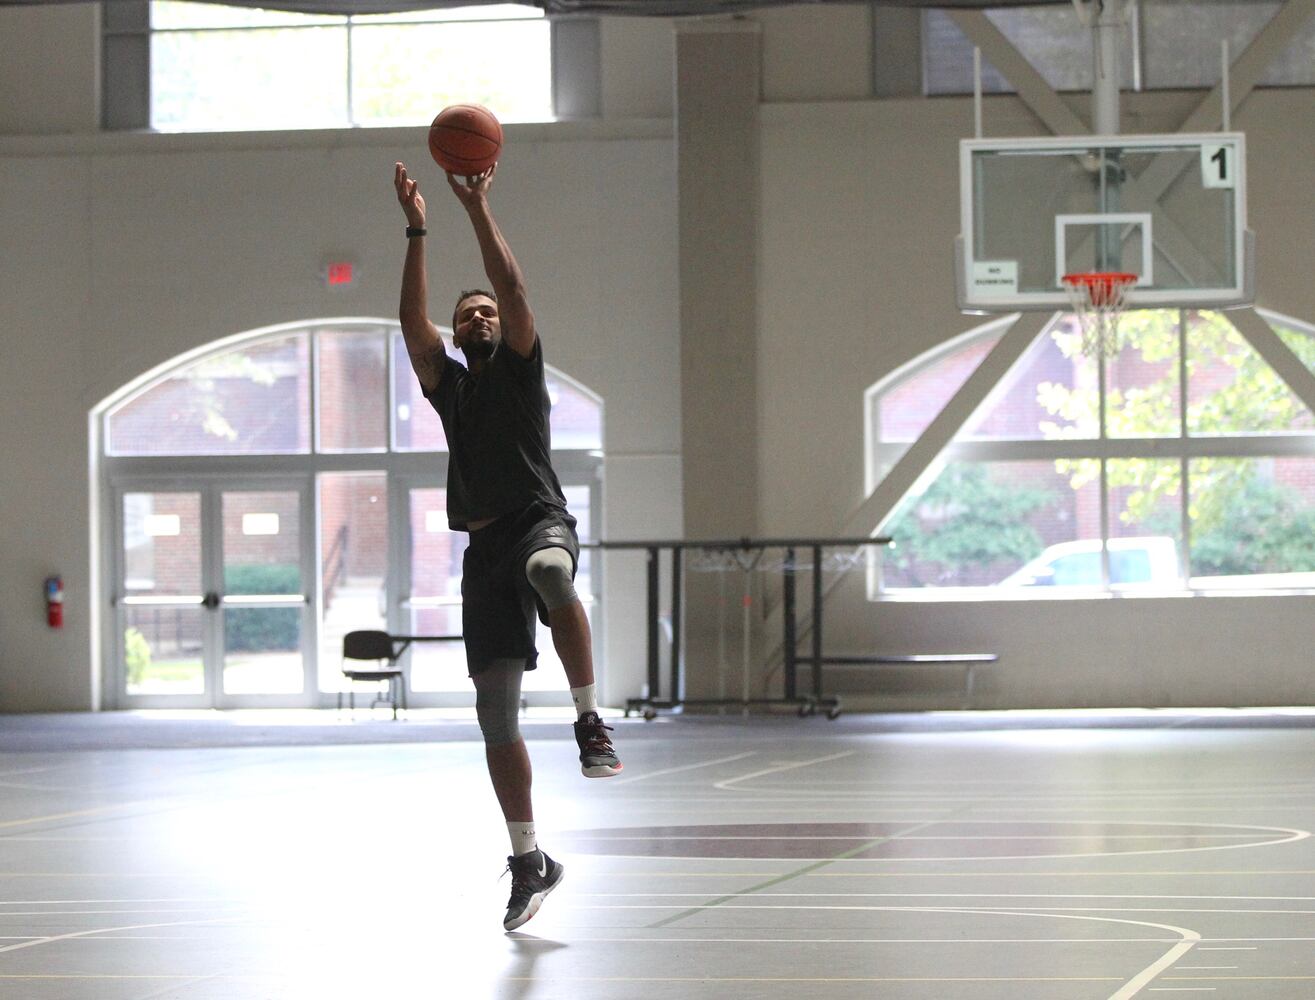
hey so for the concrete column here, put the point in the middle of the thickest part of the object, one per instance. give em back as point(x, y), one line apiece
point(718, 72)
point(717, 76)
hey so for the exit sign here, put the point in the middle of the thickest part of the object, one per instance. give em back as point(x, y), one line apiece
point(340, 274)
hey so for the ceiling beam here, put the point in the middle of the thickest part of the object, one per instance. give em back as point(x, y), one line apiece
point(1032, 88)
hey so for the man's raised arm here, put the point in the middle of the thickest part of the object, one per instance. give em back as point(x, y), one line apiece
point(423, 343)
point(500, 265)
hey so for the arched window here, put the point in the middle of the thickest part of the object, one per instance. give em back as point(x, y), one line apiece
point(281, 488)
point(1186, 464)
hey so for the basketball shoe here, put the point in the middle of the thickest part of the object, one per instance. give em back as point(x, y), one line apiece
point(533, 876)
point(597, 757)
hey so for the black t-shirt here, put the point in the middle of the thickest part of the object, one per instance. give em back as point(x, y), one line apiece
point(497, 436)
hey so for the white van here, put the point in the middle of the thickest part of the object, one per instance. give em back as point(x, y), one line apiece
point(1149, 560)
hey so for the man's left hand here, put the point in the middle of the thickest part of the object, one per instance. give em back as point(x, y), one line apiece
point(474, 188)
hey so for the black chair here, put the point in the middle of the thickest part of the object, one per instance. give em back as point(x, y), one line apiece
point(371, 644)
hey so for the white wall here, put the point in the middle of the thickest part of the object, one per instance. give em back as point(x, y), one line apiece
point(49, 69)
point(135, 249)
point(121, 251)
point(857, 279)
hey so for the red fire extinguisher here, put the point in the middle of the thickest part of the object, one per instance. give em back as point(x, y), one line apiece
point(55, 602)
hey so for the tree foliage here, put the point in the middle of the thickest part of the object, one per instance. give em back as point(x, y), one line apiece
point(966, 519)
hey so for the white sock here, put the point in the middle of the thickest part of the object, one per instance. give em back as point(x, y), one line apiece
point(585, 698)
point(522, 837)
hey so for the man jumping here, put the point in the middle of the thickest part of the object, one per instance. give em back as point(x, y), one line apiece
point(501, 488)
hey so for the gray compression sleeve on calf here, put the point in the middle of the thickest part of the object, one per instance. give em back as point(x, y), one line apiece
point(498, 701)
point(549, 573)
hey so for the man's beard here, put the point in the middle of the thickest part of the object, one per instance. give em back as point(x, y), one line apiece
point(479, 350)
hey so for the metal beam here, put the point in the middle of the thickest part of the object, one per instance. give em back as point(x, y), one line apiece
point(1245, 73)
point(1260, 335)
point(1038, 95)
point(919, 463)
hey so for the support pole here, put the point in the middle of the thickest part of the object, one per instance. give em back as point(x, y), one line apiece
point(1105, 42)
point(677, 613)
point(1224, 97)
point(790, 639)
point(654, 678)
point(977, 89)
point(817, 621)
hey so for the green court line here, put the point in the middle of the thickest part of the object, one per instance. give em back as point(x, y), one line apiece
point(809, 869)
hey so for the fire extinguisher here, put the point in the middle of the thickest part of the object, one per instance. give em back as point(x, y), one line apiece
point(55, 601)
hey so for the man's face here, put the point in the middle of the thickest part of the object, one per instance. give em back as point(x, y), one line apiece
point(476, 330)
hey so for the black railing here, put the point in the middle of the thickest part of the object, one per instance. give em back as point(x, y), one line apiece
point(335, 563)
point(751, 549)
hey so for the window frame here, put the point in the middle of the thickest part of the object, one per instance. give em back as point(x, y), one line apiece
point(403, 469)
point(1182, 447)
point(126, 34)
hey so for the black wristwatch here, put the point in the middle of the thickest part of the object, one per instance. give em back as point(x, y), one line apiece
point(415, 231)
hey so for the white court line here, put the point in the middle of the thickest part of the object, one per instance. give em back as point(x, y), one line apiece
point(1293, 836)
point(677, 770)
point(1037, 910)
point(87, 902)
point(875, 836)
point(130, 927)
point(803, 794)
point(726, 785)
point(649, 873)
point(83, 913)
point(933, 895)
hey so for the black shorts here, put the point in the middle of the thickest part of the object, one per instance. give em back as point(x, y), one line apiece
point(498, 605)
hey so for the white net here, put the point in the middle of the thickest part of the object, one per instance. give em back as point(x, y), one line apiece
point(1098, 298)
point(770, 561)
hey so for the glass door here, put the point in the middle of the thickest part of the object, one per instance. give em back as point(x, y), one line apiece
point(163, 621)
point(211, 604)
point(264, 602)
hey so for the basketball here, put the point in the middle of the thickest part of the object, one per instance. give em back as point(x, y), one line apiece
point(465, 139)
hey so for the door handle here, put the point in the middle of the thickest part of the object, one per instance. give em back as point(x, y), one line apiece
point(210, 601)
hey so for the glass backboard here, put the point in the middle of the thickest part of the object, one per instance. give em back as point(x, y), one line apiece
point(1169, 208)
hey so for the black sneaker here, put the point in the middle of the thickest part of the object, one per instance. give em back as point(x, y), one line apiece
point(597, 758)
point(533, 876)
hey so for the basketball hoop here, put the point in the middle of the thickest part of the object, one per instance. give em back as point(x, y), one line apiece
point(1098, 298)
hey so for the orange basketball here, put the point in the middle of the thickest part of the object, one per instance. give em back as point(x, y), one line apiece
point(465, 139)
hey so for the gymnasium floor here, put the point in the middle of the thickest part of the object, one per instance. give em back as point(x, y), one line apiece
point(1020, 856)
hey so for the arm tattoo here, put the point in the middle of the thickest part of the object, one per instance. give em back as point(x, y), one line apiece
point(430, 363)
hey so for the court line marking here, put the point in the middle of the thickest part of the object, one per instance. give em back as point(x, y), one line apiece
point(1130, 988)
point(1037, 910)
point(96, 810)
point(619, 873)
point(1295, 835)
point(787, 876)
point(1249, 948)
point(860, 836)
point(98, 913)
point(789, 766)
point(676, 770)
point(50, 939)
point(904, 895)
point(218, 901)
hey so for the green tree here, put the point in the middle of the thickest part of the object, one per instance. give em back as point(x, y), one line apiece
point(1240, 521)
point(965, 520)
point(136, 656)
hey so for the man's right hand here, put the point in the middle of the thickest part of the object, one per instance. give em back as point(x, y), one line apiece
point(409, 197)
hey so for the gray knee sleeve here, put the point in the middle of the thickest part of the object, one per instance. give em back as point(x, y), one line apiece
point(549, 573)
point(498, 701)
